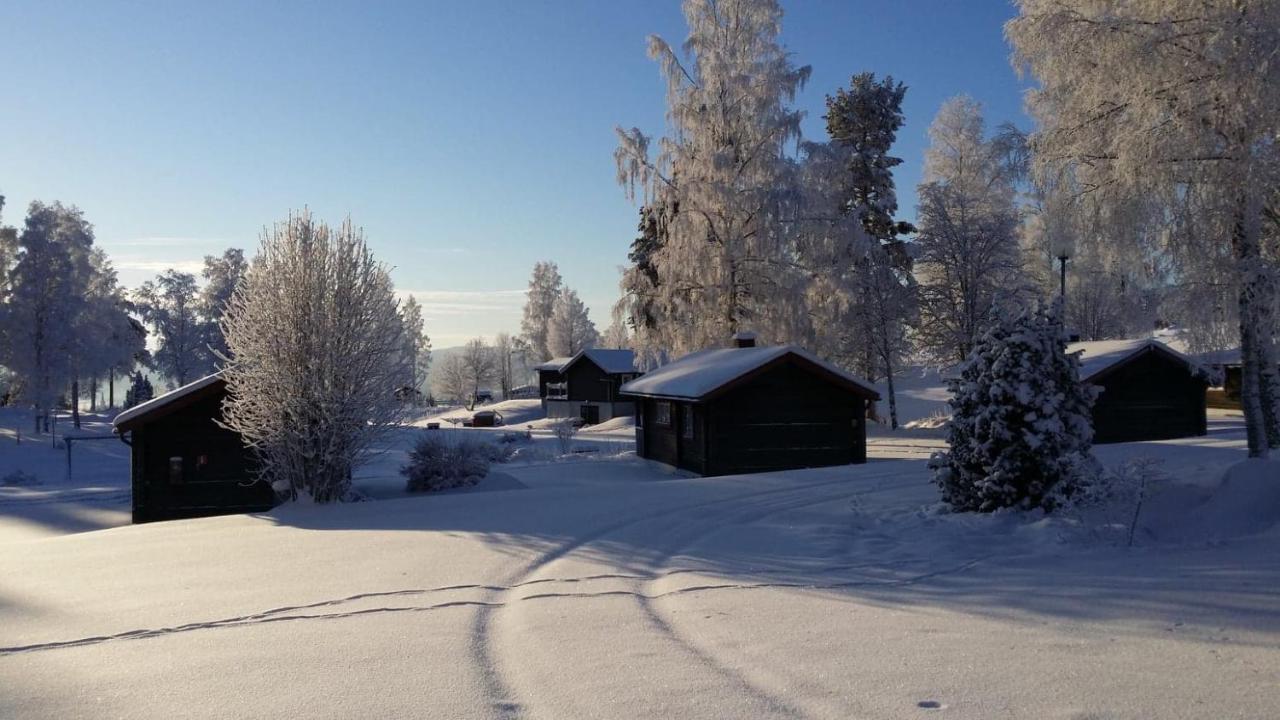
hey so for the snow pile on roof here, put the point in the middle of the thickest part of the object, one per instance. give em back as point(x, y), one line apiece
point(700, 373)
point(1097, 356)
point(556, 364)
point(612, 361)
point(165, 399)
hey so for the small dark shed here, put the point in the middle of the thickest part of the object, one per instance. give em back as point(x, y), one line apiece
point(751, 409)
point(184, 464)
point(1149, 390)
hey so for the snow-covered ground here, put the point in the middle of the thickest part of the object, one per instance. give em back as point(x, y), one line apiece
point(602, 585)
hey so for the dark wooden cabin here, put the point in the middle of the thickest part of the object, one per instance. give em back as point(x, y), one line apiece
point(1149, 391)
point(751, 409)
point(588, 385)
point(184, 464)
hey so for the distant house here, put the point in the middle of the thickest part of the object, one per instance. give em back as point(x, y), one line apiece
point(586, 385)
point(751, 409)
point(184, 464)
point(1149, 391)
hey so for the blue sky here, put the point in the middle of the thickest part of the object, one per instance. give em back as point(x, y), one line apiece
point(469, 139)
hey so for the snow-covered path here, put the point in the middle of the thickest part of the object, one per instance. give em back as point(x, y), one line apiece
point(611, 589)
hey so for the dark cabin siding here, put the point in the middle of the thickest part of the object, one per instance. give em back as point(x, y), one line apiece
point(588, 383)
point(783, 419)
point(1153, 397)
point(220, 485)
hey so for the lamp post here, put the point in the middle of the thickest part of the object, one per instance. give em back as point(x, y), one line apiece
point(1063, 246)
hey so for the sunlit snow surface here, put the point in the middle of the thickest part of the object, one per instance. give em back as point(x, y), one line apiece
point(604, 586)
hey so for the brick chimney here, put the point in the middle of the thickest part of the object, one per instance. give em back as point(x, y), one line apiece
point(744, 339)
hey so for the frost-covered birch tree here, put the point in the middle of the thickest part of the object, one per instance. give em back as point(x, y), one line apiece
point(969, 258)
point(723, 179)
point(544, 288)
point(221, 274)
point(47, 282)
point(170, 304)
point(449, 379)
point(479, 367)
point(571, 329)
point(1171, 100)
point(316, 338)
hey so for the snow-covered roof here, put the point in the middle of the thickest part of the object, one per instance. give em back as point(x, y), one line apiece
point(556, 364)
point(701, 373)
point(1100, 355)
point(612, 361)
point(158, 402)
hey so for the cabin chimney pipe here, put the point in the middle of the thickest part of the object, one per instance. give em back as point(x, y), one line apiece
point(744, 339)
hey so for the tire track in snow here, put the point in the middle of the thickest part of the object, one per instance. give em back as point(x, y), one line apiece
point(775, 501)
point(502, 696)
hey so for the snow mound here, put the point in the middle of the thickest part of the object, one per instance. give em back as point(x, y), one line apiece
point(613, 425)
point(1246, 503)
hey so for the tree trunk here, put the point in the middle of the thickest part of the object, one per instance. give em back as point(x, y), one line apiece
point(893, 400)
point(75, 403)
point(1264, 351)
point(111, 389)
point(1244, 242)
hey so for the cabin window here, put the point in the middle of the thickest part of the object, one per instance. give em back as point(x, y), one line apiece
point(662, 413)
point(686, 418)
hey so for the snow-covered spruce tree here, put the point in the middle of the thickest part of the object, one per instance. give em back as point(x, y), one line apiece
point(171, 306)
point(969, 257)
point(1021, 427)
point(726, 261)
point(1179, 100)
point(544, 288)
point(570, 329)
point(316, 338)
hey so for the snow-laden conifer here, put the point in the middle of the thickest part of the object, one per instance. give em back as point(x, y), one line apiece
point(1021, 428)
point(317, 344)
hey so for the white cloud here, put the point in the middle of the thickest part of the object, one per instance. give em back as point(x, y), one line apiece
point(127, 264)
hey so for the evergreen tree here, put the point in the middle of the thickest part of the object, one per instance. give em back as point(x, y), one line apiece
point(139, 391)
point(1021, 426)
point(417, 345)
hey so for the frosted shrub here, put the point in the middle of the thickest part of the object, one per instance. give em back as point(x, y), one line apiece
point(564, 432)
point(1021, 428)
point(437, 464)
point(318, 345)
point(18, 478)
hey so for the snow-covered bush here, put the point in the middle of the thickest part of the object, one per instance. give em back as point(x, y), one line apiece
point(18, 478)
point(139, 391)
point(1021, 426)
point(564, 432)
point(437, 464)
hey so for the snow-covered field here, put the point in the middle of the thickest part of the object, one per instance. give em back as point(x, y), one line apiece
point(605, 586)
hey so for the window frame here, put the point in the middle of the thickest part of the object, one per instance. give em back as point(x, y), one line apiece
point(662, 413)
